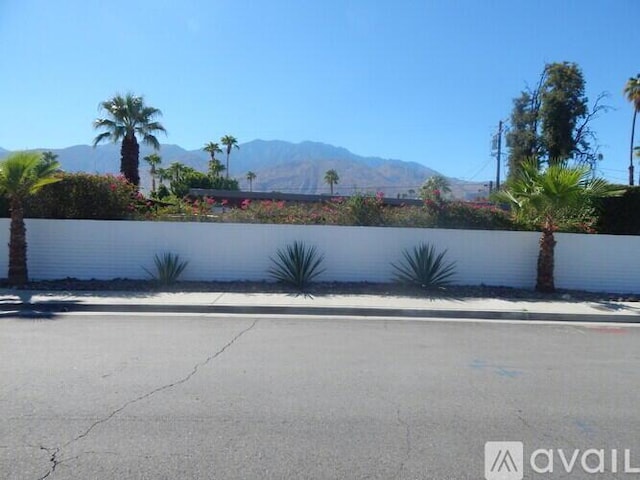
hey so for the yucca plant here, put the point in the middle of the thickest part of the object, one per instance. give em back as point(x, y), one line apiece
point(424, 267)
point(169, 267)
point(296, 265)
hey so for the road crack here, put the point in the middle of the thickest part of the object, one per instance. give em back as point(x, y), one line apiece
point(55, 460)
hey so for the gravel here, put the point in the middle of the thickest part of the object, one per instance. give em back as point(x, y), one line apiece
point(327, 288)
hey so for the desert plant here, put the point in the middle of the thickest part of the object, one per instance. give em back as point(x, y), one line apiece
point(424, 267)
point(296, 265)
point(169, 267)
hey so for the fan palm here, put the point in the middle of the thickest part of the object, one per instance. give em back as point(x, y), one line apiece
point(632, 92)
point(229, 142)
point(434, 187)
point(251, 176)
point(22, 174)
point(153, 160)
point(215, 167)
point(548, 199)
point(331, 178)
point(128, 117)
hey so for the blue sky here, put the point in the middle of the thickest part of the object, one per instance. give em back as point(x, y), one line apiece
point(424, 81)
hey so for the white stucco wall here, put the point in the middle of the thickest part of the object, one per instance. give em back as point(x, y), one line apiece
point(110, 249)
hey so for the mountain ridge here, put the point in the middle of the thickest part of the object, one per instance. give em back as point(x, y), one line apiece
point(279, 166)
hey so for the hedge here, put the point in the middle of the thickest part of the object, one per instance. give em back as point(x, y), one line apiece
point(83, 196)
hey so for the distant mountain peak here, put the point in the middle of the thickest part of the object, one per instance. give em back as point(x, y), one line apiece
point(279, 165)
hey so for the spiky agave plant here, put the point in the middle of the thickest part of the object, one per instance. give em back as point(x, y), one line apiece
point(169, 267)
point(424, 267)
point(296, 265)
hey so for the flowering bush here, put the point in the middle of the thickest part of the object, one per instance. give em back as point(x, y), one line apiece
point(268, 211)
point(364, 210)
point(357, 210)
point(87, 196)
point(469, 215)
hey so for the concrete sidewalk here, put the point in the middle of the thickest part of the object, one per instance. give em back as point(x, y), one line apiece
point(327, 305)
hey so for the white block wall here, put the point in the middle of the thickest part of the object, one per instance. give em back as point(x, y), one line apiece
point(88, 249)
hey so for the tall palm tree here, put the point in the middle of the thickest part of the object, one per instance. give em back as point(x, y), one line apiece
point(215, 167)
point(549, 198)
point(22, 174)
point(331, 178)
point(229, 141)
point(153, 160)
point(251, 177)
point(128, 117)
point(632, 92)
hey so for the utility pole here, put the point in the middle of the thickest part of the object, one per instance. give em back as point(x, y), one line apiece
point(496, 149)
point(499, 152)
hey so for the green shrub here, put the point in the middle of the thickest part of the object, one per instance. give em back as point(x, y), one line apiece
point(169, 267)
point(364, 210)
point(4, 207)
point(423, 267)
point(408, 216)
point(84, 196)
point(468, 215)
point(195, 179)
point(297, 265)
point(221, 183)
point(619, 215)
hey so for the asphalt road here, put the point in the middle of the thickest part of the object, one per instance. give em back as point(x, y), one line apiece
point(196, 397)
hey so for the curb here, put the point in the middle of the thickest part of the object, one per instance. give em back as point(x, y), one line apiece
point(51, 308)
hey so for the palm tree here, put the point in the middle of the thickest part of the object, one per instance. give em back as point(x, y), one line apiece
point(153, 160)
point(251, 177)
point(435, 186)
point(49, 157)
point(162, 175)
point(176, 171)
point(331, 178)
point(548, 199)
point(215, 167)
point(128, 117)
point(22, 174)
point(229, 141)
point(632, 92)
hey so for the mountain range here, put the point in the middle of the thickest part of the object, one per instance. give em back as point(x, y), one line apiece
point(278, 165)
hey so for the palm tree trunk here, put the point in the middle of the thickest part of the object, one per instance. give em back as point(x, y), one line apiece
point(633, 131)
point(545, 281)
point(18, 274)
point(227, 169)
point(129, 159)
point(331, 188)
